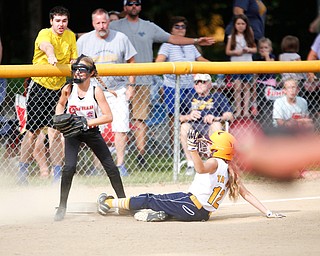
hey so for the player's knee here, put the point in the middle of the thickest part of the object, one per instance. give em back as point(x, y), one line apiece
point(112, 172)
point(68, 171)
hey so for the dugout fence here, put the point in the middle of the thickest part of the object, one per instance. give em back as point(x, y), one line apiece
point(165, 160)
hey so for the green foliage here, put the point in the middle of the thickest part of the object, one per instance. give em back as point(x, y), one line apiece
point(15, 86)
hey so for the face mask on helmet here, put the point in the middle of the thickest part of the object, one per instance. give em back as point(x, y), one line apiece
point(204, 147)
point(81, 68)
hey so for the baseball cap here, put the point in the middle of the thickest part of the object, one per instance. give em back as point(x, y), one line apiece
point(128, 1)
point(202, 77)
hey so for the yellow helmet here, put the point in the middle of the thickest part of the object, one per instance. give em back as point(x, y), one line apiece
point(222, 145)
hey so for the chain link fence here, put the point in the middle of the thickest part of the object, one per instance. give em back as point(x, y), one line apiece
point(165, 160)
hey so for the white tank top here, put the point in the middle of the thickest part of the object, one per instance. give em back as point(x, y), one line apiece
point(86, 106)
point(210, 189)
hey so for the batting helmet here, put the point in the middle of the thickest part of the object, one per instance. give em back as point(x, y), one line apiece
point(222, 145)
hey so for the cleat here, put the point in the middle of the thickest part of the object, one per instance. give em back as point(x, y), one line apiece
point(60, 213)
point(103, 208)
point(152, 216)
point(190, 171)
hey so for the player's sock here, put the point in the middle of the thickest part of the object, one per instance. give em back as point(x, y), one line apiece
point(122, 203)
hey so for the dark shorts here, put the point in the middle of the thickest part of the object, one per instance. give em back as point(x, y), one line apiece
point(41, 105)
point(243, 77)
point(185, 96)
point(179, 205)
point(202, 128)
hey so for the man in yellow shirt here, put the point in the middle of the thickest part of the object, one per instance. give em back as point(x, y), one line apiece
point(54, 45)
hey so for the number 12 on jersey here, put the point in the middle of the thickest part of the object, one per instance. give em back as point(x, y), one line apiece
point(216, 196)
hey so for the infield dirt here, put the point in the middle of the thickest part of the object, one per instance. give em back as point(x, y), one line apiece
point(27, 226)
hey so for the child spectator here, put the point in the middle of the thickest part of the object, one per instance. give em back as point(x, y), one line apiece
point(241, 47)
point(290, 112)
point(266, 91)
point(290, 49)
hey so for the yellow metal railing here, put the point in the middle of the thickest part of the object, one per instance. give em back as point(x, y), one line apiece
point(18, 71)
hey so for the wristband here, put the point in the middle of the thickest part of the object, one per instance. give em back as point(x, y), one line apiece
point(192, 148)
point(195, 40)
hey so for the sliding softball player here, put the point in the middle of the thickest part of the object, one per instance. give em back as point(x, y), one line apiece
point(213, 180)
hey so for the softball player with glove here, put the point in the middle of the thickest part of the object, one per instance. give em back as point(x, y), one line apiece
point(82, 99)
point(213, 180)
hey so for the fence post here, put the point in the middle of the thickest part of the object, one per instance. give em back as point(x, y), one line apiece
point(176, 147)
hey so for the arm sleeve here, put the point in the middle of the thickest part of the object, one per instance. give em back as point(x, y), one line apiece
point(160, 35)
point(243, 4)
point(164, 50)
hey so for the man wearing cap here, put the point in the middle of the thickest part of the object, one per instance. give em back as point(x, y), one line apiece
point(207, 112)
point(143, 34)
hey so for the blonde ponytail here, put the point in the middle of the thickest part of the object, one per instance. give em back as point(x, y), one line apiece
point(233, 183)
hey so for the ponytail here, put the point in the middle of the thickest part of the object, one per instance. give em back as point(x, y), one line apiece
point(233, 183)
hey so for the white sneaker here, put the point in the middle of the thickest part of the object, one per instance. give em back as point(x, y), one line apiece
point(190, 171)
point(151, 216)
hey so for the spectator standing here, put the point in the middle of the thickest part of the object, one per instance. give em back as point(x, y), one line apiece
point(241, 47)
point(255, 10)
point(83, 99)
point(54, 45)
point(105, 45)
point(315, 24)
point(142, 35)
point(266, 86)
point(114, 15)
point(172, 53)
point(312, 92)
point(3, 82)
point(206, 112)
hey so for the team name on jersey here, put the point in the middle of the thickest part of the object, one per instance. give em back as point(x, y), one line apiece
point(220, 178)
point(73, 109)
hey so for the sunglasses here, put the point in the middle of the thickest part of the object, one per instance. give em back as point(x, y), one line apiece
point(200, 81)
point(133, 3)
point(180, 26)
point(81, 68)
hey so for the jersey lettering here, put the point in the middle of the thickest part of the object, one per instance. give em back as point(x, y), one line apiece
point(220, 178)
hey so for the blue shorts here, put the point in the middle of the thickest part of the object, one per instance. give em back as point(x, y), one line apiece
point(185, 96)
point(181, 206)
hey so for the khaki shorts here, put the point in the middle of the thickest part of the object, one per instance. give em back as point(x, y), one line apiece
point(140, 103)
